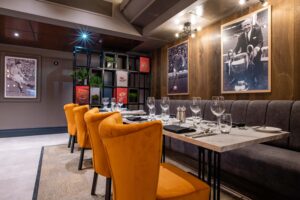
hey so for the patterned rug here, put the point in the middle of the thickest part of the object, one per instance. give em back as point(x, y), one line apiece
point(59, 179)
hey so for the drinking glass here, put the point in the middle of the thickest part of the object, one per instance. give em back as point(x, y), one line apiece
point(151, 102)
point(152, 113)
point(217, 107)
point(113, 104)
point(196, 109)
point(225, 123)
point(105, 102)
point(165, 116)
point(165, 104)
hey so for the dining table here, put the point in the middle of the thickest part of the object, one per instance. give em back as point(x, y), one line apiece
point(211, 145)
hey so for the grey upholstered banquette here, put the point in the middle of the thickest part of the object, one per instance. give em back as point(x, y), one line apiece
point(273, 166)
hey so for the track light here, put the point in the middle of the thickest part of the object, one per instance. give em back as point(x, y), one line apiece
point(264, 2)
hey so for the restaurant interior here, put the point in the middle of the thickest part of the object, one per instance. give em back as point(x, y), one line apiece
point(150, 99)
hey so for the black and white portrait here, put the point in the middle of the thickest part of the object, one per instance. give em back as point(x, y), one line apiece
point(246, 67)
point(178, 71)
point(20, 77)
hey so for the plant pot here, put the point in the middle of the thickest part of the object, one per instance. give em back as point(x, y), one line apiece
point(109, 65)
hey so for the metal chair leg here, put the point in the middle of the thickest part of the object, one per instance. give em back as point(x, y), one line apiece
point(69, 143)
point(94, 185)
point(73, 143)
point(81, 159)
point(108, 189)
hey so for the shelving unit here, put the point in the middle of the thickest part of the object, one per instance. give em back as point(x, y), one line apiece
point(120, 73)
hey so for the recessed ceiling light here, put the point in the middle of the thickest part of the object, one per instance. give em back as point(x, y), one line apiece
point(242, 2)
point(84, 36)
point(16, 34)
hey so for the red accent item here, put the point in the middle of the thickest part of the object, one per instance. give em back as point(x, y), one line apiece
point(121, 93)
point(144, 64)
point(82, 94)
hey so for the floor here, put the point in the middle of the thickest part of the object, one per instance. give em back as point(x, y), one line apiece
point(19, 158)
point(19, 162)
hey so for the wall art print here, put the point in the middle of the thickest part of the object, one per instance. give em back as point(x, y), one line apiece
point(178, 69)
point(20, 79)
point(246, 53)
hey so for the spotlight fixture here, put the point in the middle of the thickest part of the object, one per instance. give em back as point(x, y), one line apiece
point(187, 31)
point(242, 2)
point(16, 34)
point(264, 2)
point(84, 36)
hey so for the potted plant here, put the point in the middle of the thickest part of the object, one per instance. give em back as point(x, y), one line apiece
point(133, 97)
point(109, 61)
point(95, 83)
point(81, 76)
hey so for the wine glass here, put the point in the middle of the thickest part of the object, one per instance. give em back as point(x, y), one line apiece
point(217, 107)
point(105, 102)
point(151, 102)
point(165, 104)
point(120, 103)
point(113, 103)
point(196, 109)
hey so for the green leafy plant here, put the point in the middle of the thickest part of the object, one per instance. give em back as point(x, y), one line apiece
point(132, 96)
point(95, 97)
point(80, 75)
point(95, 81)
point(110, 59)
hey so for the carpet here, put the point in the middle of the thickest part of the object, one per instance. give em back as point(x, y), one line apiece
point(58, 177)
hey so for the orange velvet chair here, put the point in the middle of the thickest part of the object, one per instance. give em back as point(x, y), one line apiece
point(68, 108)
point(82, 135)
point(93, 118)
point(133, 152)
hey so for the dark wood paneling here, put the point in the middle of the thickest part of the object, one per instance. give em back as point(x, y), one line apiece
point(205, 57)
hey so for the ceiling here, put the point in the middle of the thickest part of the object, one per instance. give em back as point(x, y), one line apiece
point(47, 36)
point(155, 21)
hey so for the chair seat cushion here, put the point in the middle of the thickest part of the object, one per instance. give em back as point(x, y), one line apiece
point(175, 184)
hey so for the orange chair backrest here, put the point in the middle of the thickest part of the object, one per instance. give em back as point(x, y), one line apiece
point(93, 118)
point(68, 108)
point(133, 153)
point(82, 135)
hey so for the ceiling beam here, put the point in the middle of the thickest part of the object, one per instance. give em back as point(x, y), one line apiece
point(181, 5)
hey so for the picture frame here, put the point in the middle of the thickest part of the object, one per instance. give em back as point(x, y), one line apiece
point(178, 69)
point(246, 53)
point(20, 77)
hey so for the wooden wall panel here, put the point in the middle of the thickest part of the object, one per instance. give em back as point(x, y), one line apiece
point(205, 57)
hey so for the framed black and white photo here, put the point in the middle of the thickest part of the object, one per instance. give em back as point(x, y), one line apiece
point(246, 53)
point(20, 77)
point(178, 69)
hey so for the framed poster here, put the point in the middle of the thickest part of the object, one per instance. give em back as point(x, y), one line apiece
point(121, 93)
point(178, 69)
point(20, 77)
point(246, 53)
point(144, 64)
point(122, 78)
point(82, 95)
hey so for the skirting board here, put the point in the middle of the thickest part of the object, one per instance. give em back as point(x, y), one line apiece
point(32, 131)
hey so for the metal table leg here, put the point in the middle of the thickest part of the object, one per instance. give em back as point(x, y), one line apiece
point(163, 159)
point(217, 176)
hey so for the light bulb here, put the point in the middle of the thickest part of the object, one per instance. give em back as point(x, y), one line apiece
point(242, 2)
point(193, 35)
point(177, 35)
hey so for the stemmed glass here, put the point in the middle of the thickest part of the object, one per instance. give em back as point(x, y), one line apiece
point(165, 104)
point(113, 104)
point(120, 103)
point(105, 102)
point(196, 109)
point(151, 106)
point(217, 107)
